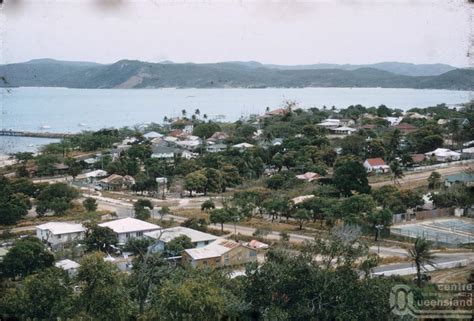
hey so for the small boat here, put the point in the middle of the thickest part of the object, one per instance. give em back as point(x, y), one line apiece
point(45, 127)
point(82, 125)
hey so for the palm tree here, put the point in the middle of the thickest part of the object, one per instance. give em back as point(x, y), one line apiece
point(183, 112)
point(165, 119)
point(397, 171)
point(421, 256)
point(197, 112)
point(204, 116)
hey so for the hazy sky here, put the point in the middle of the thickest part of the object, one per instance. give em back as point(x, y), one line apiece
point(281, 32)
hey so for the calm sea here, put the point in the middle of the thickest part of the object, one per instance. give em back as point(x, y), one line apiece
point(74, 110)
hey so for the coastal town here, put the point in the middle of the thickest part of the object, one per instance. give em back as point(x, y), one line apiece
point(236, 160)
point(194, 193)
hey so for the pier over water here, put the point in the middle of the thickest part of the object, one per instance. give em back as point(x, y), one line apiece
point(7, 132)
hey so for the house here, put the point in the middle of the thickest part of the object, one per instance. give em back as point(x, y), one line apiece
point(219, 253)
point(347, 122)
point(330, 123)
point(276, 142)
point(394, 121)
point(59, 233)
point(418, 158)
point(277, 112)
point(93, 176)
point(254, 244)
point(164, 236)
point(129, 227)
point(302, 198)
point(444, 155)
point(376, 165)
point(467, 153)
point(309, 176)
point(343, 130)
point(60, 168)
point(176, 133)
point(163, 152)
point(152, 135)
point(218, 137)
point(216, 148)
point(170, 139)
point(186, 154)
point(415, 115)
point(243, 146)
point(116, 182)
point(68, 265)
point(189, 144)
point(466, 179)
point(368, 127)
point(188, 128)
point(406, 128)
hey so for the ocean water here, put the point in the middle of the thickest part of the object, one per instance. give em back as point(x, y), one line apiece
point(74, 110)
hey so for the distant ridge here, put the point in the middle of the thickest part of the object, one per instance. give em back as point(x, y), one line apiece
point(252, 74)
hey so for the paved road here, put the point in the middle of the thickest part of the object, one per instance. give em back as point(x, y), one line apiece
point(441, 261)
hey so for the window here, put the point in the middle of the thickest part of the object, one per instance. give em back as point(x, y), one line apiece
point(253, 253)
point(59, 236)
point(139, 233)
point(127, 235)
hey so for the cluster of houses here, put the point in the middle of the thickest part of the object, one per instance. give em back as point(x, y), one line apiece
point(209, 250)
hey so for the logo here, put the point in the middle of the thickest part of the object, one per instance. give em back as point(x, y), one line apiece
point(447, 301)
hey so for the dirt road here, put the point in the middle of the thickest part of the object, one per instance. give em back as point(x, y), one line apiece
point(412, 180)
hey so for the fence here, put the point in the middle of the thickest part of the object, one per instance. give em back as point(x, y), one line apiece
point(440, 212)
point(442, 165)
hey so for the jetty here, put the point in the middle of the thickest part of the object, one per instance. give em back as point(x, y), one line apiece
point(9, 132)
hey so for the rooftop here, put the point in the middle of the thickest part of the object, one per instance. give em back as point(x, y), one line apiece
point(215, 249)
point(169, 234)
point(376, 162)
point(62, 227)
point(129, 224)
point(67, 264)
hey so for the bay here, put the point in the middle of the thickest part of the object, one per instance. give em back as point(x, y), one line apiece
point(74, 110)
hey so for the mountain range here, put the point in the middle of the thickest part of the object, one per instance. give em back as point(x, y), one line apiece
point(138, 74)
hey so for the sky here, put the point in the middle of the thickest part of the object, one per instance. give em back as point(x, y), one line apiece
point(278, 32)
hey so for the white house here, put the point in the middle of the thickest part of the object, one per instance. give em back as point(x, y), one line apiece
point(56, 233)
point(164, 236)
point(394, 121)
point(189, 144)
point(243, 146)
point(188, 129)
point(163, 152)
point(376, 165)
point(152, 135)
point(129, 227)
point(330, 123)
point(343, 130)
point(216, 148)
point(444, 155)
point(186, 154)
point(68, 265)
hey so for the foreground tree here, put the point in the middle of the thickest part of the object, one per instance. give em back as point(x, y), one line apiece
point(103, 294)
point(47, 295)
point(100, 238)
point(421, 256)
point(434, 180)
point(28, 255)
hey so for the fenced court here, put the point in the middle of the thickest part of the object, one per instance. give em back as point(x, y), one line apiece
point(450, 232)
